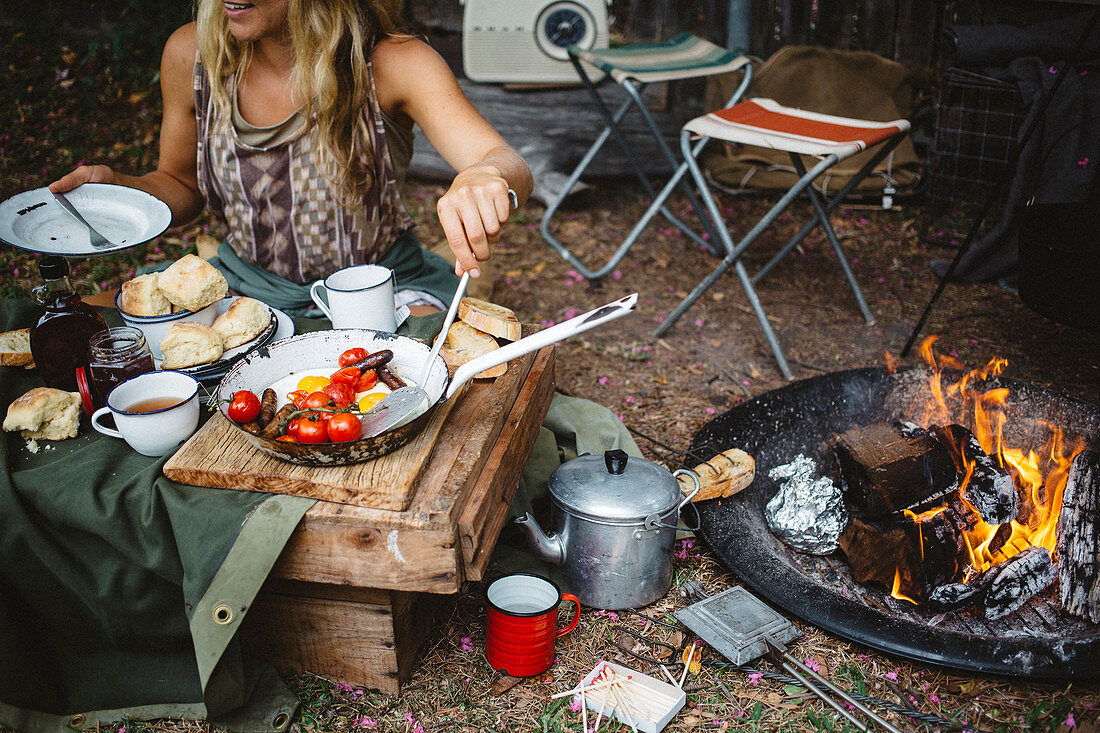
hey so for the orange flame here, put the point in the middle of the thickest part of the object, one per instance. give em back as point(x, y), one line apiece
point(1040, 475)
point(896, 591)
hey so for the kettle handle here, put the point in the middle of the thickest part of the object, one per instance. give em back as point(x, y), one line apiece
point(654, 521)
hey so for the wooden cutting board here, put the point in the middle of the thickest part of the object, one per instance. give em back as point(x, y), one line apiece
point(217, 456)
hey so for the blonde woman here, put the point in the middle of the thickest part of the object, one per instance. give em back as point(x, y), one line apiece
point(291, 121)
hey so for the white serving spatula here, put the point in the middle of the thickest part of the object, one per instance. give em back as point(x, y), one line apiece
point(408, 403)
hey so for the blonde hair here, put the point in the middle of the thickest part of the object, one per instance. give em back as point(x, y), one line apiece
point(332, 42)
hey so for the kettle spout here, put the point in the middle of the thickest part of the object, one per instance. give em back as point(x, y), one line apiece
point(549, 548)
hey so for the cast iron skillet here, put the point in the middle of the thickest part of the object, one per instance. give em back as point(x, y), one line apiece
point(322, 349)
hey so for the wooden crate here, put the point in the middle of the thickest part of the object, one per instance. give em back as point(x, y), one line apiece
point(357, 589)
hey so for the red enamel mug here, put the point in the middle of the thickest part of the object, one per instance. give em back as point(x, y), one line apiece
point(522, 623)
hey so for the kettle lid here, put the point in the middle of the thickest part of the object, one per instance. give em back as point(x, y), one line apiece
point(614, 485)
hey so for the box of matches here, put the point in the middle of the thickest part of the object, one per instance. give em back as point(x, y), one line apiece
point(639, 701)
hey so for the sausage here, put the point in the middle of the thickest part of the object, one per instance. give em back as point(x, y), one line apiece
point(252, 427)
point(275, 428)
point(388, 378)
point(374, 361)
point(268, 407)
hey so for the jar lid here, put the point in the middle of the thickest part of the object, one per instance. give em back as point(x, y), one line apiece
point(614, 486)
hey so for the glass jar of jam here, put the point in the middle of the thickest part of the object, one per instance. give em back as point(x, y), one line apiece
point(59, 340)
point(114, 356)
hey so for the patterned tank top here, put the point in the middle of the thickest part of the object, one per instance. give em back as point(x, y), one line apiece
point(278, 208)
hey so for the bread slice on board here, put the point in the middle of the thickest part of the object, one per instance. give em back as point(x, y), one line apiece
point(464, 342)
point(724, 475)
point(15, 348)
point(491, 318)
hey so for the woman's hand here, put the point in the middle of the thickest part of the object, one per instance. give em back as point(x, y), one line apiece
point(85, 174)
point(472, 213)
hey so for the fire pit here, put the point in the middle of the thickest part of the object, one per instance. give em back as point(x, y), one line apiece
point(1038, 640)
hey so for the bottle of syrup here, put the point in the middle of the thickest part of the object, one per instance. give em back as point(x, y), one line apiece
point(59, 341)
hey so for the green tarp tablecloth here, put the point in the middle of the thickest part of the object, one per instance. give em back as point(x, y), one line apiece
point(110, 575)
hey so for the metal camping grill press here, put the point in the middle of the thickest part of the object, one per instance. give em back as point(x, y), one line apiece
point(743, 628)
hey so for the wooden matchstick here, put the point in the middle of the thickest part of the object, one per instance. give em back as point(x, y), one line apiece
point(687, 666)
point(668, 674)
point(584, 711)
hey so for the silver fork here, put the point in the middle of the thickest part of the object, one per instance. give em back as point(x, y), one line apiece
point(98, 240)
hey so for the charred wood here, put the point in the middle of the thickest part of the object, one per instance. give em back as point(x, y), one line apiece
point(954, 596)
point(922, 553)
point(987, 486)
point(886, 470)
point(1078, 538)
point(1017, 580)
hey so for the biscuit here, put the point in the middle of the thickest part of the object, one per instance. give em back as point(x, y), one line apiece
point(192, 283)
point(45, 413)
point(189, 343)
point(243, 321)
point(142, 296)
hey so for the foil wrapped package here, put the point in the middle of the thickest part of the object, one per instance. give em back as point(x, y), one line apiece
point(807, 513)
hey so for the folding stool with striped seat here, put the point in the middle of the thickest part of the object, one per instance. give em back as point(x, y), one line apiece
point(766, 123)
point(634, 67)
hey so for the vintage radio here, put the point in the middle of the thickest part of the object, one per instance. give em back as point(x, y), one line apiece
point(525, 42)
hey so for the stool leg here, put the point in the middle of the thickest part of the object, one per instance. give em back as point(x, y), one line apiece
point(835, 200)
point(732, 258)
point(823, 217)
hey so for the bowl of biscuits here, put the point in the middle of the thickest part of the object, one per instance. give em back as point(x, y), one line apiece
point(188, 322)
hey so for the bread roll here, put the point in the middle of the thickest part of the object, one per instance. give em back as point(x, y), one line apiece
point(15, 348)
point(491, 318)
point(142, 296)
point(45, 413)
point(189, 343)
point(243, 321)
point(192, 283)
point(464, 342)
point(724, 475)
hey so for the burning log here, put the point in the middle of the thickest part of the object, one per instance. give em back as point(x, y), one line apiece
point(908, 557)
point(1017, 580)
point(887, 469)
point(988, 486)
point(1078, 538)
point(1002, 589)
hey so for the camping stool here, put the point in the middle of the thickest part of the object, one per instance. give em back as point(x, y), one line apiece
point(634, 67)
point(766, 123)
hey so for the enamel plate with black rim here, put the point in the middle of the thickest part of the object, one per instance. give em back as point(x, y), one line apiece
point(127, 217)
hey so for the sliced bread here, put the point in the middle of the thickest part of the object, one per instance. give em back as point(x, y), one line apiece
point(464, 342)
point(491, 318)
point(15, 348)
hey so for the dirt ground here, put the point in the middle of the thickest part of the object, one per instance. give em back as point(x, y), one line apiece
point(716, 357)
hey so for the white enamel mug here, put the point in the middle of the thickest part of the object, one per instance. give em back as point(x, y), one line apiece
point(358, 297)
point(154, 411)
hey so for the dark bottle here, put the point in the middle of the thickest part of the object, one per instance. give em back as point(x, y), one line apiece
point(59, 341)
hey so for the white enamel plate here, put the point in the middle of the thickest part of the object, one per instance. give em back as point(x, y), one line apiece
point(34, 221)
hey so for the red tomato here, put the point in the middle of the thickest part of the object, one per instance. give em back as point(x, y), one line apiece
point(344, 428)
point(315, 400)
point(353, 355)
point(244, 407)
point(312, 430)
point(292, 427)
point(297, 396)
point(347, 375)
point(341, 394)
point(367, 381)
point(287, 438)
